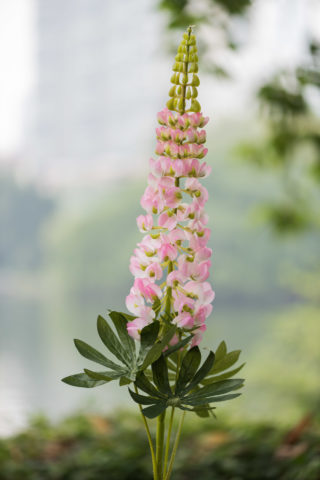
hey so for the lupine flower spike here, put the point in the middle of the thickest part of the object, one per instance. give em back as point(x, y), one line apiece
point(171, 264)
point(171, 298)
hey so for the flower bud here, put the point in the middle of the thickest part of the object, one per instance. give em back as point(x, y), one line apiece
point(195, 80)
point(195, 106)
point(172, 91)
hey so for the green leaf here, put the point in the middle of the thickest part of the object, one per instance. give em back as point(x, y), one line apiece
point(148, 338)
point(160, 375)
point(110, 340)
point(155, 352)
point(189, 366)
point(124, 381)
point(221, 351)
point(171, 366)
point(205, 400)
point(217, 388)
point(92, 354)
point(105, 376)
point(202, 412)
point(127, 316)
point(145, 385)
point(224, 376)
point(226, 362)
point(120, 323)
point(177, 346)
point(142, 399)
point(154, 410)
point(82, 380)
point(201, 373)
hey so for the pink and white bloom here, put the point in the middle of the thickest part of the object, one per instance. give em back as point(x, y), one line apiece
point(145, 223)
point(175, 227)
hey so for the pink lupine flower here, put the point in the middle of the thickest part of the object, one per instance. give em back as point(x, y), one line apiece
point(198, 120)
point(203, 254)
point(177, 237)
point(199, 239)
point(154, 271)
point(148, 248)
point(134, 303)
point(203, 291)
point(189, 267)
point(135, 326)
point(168, 220)
point(182, 303)
point(202, 136)
point(172, 197)
point(194, 168)
point(184, 121)
point(137, 267)
point(198, 336)
point(149, 290)
point(175, 278)
point(176, 135)
point(151, 201)
point(184, 320)
point(167, 251)
point(145, 222)
point(165, 166)
point(166, 117)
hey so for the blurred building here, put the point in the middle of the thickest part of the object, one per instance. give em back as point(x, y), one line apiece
point(96, 65)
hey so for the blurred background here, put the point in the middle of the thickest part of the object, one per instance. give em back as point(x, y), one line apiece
point(80, 87)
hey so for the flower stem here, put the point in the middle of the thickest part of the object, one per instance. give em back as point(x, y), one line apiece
point(166, 456)
point(160, 444)
point(175, 447)
point(169, 292)
point(154, 465)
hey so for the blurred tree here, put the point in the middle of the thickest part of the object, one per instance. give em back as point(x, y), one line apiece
point(291, 147)
point(23, 212)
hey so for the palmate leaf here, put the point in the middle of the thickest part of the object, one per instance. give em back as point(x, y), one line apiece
point(125, 339)
point(216, 388)
point(188, 395)
point(111, 341)
point(223, 361)
point(106, 376)
point(123, 348)
point(189, 366)
point(82, 380)
point(219, 398)
point(178, 346)
point(223, 376)
point(201, 373)
point(156, 350)
point(160, 376)
point(148, 338)
point(146, 386)
point(92, 354)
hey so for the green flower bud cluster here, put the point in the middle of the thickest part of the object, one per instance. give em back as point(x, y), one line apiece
point(183, 94)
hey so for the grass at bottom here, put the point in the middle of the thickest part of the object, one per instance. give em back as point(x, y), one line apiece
point(115, 448)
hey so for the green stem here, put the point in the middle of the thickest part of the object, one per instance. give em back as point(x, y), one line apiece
point(175, 447)
point(160, 444)
point(169, 292)
point(154, 464)
point(166, 456)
